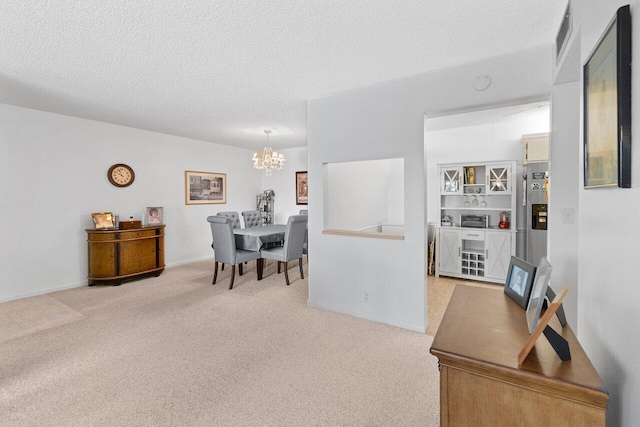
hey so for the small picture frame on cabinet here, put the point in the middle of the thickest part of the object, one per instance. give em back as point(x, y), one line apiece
point(538, 293)
point(519, 281)
point(103, 220)
point(155, 215)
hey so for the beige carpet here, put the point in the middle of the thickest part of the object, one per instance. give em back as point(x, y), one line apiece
point(175, 350)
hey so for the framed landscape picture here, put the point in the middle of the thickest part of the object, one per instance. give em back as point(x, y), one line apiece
point(202, 188)
point(302, 196)
point(607, 107)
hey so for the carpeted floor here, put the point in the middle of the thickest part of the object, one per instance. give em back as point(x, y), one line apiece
point(175, 350)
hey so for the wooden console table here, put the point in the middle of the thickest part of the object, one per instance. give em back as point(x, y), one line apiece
point(481, 384)
point(116, 256)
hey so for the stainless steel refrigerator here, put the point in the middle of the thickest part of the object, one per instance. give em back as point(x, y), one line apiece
point(535, 202)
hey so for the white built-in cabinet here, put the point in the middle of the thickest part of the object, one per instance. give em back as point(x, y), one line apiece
point(486, 189)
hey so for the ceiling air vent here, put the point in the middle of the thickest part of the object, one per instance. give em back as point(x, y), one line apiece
point(564, 32)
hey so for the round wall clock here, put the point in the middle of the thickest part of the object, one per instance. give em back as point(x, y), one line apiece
point(121, 175)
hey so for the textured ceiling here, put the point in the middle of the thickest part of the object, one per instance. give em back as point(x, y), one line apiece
point(223, 71)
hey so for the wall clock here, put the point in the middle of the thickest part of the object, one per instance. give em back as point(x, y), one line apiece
point(121, 175)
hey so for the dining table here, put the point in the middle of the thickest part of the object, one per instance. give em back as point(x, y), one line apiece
point(255, 238)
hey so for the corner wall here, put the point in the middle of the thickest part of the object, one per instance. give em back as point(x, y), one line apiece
point(608, 315)
point(53, 176)
point(387, 121)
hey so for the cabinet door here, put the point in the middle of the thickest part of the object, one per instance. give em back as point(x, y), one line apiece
point(449, 252)
point(451, 180)
point(498, 254)
point(499, 179)
point(535, 149)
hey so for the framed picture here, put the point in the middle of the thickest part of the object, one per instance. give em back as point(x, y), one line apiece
point(302, 196)
point(202, 188)
point(607, 107)
point(519, 281)
point(538, 293)
point(155, 215)
point(103, 219)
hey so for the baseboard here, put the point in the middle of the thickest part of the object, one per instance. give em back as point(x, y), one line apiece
point(369, 316)
point(83, 283)
point(43, 291)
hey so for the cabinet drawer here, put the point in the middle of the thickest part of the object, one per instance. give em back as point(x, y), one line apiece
point(124, 235)
point(472, 235)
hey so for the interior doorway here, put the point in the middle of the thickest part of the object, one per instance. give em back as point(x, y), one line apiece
point(487, 135)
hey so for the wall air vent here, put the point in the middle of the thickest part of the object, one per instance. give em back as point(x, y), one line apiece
point(564, 32)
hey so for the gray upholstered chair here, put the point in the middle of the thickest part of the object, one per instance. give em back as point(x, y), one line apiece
point(224, 244)
point(293, 242)
point(252, 219)
point(235, 218)
point(235, 222)
point(305, 247)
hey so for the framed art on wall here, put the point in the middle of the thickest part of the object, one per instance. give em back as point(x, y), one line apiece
point(302, 196)
point(203, 188)
point(607, 107)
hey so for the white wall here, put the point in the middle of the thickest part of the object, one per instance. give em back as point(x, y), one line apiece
point(283, 183)
point(564, 178)
point(386, 121)
point(608, 315)
point(53, 175)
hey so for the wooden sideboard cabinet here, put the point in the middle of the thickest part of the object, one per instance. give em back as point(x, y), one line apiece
point(481, 383)
point(116, 256)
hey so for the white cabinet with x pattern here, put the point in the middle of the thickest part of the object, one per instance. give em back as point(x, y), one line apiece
point(472, 240)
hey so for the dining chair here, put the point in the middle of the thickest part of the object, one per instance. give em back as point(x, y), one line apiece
point(292, 248)
point(235, 218)
point(305, 247)
point(224, 244)
point(235, 222)
point(252, 219)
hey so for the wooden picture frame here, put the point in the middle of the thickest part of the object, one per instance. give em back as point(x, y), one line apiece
point(542, 324)
point(607, 107)
point(154, 215)
point(519, 281)
point(103, 220)
point(302, 188)
point(205, 188)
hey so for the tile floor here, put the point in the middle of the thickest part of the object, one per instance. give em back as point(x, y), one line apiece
point(28, 315)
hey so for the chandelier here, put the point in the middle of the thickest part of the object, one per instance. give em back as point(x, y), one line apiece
point(268, 160)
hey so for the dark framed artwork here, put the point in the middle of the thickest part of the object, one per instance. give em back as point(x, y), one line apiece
point(302, 189)
point(203, 188)
point(519, 281)
point(607, 107)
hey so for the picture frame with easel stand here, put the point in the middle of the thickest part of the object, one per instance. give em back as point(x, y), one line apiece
point(559, 344)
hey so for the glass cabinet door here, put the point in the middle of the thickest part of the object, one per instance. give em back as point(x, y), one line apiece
point(451, 181)
point(498, 178)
